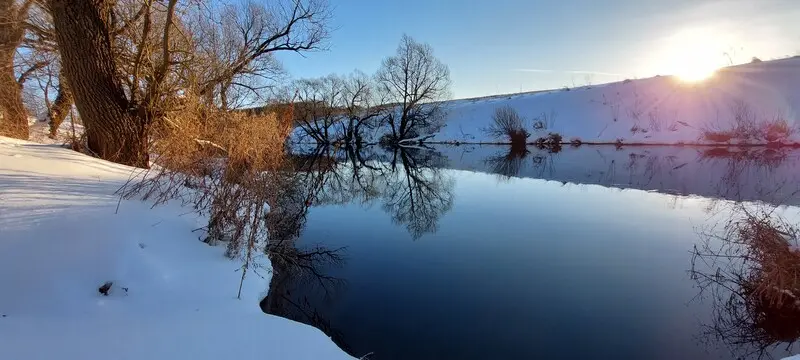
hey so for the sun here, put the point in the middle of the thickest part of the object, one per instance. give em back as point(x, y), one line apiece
point(693, 54)
point(695, 70)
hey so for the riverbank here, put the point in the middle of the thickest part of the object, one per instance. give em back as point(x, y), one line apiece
point(65, 234)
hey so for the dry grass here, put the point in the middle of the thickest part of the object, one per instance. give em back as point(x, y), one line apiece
point(776, 130)
point(718, 136)
point(776, 264)
point(747, 127)
point(752, 271)
point(224, 164)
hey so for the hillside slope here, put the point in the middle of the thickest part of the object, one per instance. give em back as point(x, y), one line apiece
point(752, 103)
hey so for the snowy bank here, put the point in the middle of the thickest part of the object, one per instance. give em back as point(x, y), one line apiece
point(173, 297)
point(756, 103)
point(658, 110)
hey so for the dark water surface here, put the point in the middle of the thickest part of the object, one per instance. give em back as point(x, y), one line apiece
point(484, 253)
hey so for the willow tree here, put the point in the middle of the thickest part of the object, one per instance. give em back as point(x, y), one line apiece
point(115, 131)
point(416, 81)
point(129, 63)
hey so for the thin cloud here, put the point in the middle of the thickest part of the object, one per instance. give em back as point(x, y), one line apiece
point(592, 73)
point(534, 70)
point(583, 72)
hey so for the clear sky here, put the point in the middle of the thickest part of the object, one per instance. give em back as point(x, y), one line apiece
point(504, 46)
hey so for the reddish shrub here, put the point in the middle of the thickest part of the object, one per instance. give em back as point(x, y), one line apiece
point(718, 136)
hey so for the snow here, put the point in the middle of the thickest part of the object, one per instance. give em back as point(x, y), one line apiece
point(608, 112)
point(61, 240)
point(657, 110)
point(40, 132)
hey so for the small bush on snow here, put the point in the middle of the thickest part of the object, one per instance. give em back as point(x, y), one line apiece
point(551, 142)
point(508, 124)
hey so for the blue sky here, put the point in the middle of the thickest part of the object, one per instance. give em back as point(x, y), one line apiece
point(505, 46)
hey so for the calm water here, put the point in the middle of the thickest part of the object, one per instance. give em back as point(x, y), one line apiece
point(484, 253)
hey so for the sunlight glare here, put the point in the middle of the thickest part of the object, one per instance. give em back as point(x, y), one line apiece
point(694, 54)
point(694, 70)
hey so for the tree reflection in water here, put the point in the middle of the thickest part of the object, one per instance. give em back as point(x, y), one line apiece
point(409, 185)
point(750, 272)
point(420, 194)
point(508, 164)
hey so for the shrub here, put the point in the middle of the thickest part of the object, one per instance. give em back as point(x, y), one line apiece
point(718, 136)
point(575, 142)
point(508, 124)
point(752, 267)
point(228, 160)
point(746, 127)
point(776, 130)
point(551, 142)
point(745, 124)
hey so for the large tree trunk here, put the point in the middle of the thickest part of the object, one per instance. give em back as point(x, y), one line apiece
point(13, 117)
point(61, 106)
point(114, 131)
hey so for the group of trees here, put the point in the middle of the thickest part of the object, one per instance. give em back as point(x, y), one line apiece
point(403, 98)
point(131, 66)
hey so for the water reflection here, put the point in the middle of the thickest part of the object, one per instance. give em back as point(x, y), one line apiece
point(421, 193)
point(563, 264)
point(747, 266)
point(739, 174)
point(299, 273)
point(408, 183)
point(508, 164)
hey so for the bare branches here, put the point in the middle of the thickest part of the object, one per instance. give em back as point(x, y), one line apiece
point(161, 71)
point(239, 42)
point(29, 71)
point(416, 81)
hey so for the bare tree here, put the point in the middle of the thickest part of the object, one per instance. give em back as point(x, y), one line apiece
point(13, 117)
point(415, 81)
point(115, 130)
point(130, 63)
point(319, 106)
point(60, 107)
point(361, 107)
point(237, 45)
point(40, 62)
point(336, 108)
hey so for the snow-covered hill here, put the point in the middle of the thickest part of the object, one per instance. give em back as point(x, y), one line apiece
point(173, 297)
point(751, 103)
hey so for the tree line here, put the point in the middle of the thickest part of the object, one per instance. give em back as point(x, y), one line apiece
point(132, 67)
